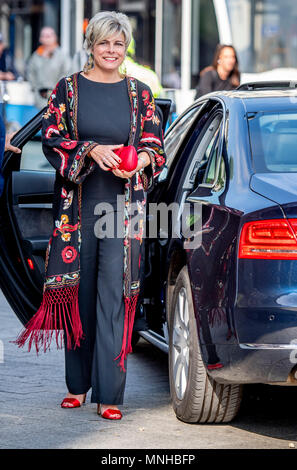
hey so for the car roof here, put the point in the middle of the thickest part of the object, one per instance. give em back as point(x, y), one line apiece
point(256, 100)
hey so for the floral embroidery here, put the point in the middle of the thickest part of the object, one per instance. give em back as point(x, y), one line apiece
point(146, 97)
point(64, 218)
point(64, 159)
point(132, 88)
point(68, 198)
point(156, 120)
point(63, 227)
point(62, 279)
point(69, 144)
point(66, 237)
point(138, 186)
point(51, 130)
point(69, 254)
point(150, 137)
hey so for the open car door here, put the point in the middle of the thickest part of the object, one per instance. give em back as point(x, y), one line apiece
point(26, 221)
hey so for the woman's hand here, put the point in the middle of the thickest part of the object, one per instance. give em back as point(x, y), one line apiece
point(143, 161)
point(105, 157)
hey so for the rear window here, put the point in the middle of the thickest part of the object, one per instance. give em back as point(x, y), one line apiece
point(273, 138)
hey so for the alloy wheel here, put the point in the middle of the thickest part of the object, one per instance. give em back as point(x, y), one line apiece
point(181, 338)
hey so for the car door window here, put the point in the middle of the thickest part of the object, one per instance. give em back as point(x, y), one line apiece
point(175, 136)
point(33, 157)
point(204, 151)
point(215, 174)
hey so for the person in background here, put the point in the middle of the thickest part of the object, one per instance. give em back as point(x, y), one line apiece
point(223, 74)
point(46, 66)
point(7, 69)
point(80, 57)
point(78, 61)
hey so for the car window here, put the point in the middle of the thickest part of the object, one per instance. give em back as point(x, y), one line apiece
point(210, 171)
point(215, 174)
point(33, 157)
point(206, 151)
point(176, 135)
point(273, 138)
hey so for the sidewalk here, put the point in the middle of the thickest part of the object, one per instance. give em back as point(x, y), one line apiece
point(32, 388)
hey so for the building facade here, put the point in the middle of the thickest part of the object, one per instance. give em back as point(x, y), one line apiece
point(175, 37)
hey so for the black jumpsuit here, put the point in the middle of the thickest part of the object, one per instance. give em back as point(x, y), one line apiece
point(104, 117)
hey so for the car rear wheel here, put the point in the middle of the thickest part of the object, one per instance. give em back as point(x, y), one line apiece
point(196, 397)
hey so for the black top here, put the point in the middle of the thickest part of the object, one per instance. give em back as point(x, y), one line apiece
point(211, 81)
point(104, 117)
point(103, 111)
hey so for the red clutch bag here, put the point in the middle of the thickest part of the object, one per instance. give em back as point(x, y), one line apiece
point(129, 158)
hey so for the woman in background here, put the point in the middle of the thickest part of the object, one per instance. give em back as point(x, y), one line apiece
point(223, 74)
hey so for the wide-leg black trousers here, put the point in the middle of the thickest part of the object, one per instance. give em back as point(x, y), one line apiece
point(101, 305)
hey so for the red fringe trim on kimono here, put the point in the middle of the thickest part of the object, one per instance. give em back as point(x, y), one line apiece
point(57, 313)
point(130, 307)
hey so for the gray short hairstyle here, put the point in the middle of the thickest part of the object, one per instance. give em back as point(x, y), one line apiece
point(104, 25)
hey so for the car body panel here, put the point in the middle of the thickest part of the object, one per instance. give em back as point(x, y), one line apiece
point(279, 187)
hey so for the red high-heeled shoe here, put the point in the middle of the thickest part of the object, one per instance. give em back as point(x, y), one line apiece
point(72, 403)
point(109, 413)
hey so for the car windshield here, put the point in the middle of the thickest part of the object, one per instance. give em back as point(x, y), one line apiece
point(273, 138)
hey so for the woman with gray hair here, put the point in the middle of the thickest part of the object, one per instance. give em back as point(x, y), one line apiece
point(92, 282)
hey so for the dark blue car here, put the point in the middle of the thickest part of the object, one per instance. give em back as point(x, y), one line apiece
point(219, 290)
point(229, 304)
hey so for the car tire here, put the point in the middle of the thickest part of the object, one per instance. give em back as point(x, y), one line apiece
point(196, 397)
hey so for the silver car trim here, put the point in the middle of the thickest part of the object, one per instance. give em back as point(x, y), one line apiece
point(155, 339)
point(267, 346)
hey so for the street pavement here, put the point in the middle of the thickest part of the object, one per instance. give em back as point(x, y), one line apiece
point(32, 388)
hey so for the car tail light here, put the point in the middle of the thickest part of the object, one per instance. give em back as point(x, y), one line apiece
point(269, 239)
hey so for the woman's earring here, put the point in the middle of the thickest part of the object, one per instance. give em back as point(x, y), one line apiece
point(90, 64)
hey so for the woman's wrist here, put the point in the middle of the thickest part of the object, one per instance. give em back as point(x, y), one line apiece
point(144, 158)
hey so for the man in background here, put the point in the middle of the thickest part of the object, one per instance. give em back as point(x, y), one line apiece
point(47, 65)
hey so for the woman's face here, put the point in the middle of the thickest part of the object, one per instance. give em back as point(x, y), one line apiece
point(47, 37)
point(227, 59)
point(109, 53)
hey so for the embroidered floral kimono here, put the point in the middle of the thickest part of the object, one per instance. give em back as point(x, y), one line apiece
point(59, 310)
